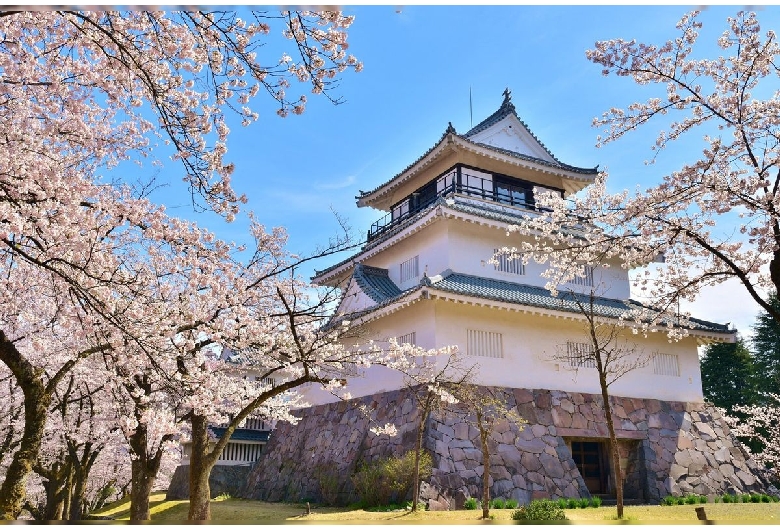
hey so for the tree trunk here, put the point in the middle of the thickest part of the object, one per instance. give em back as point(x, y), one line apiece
point(77, 500)
point(140, 490)
point(483, 438)
point(54, 484)
point(201, 464)
point(54, 500)
point(36, 405)
point(82, 467)
point(613, 448)
point(66, 493)
point(144, 470)
point(417, 450)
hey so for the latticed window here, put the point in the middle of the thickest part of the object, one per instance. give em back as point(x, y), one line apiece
point(409, 338)
point(410, 269)
point(507, 263)
point(586, 280)
point(484, 344)
point(666, 364)
point(580, 355)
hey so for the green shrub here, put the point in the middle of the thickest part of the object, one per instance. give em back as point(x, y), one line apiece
point(755, 497)
point(572, 503)
point(471, 503)
point(498, 504)
point(691, 499)
point(584, 502)
point(541, 510)
point(680, 500)
point(727, 498)
point(766, 498)
point(595, 502)
point(745, 497)
point(327, 477)
point(511, 504)
point(669, 500)
point(388, 480)
point(703, 499)
point(562, 503)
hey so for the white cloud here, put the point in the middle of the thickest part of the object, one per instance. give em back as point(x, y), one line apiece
point(340, 184)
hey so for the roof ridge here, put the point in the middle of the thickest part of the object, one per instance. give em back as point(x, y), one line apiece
point(507, 108)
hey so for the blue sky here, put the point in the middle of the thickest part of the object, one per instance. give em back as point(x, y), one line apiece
point(420, 64)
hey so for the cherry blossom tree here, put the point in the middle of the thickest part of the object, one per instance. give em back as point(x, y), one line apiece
point(684, 221)
point(763, 426)
point(612, 356)
point(81, 93)
point(432, 386)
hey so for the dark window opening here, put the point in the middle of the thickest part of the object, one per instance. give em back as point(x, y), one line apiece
point(591, 460)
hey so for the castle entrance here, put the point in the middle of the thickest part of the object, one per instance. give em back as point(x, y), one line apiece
point(592, 461)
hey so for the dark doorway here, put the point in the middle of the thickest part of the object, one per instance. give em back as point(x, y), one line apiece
point(590, 458)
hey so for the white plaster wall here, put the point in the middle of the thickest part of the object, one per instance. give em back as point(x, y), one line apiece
point(430, 243)
point(471, 247)
point(419, 318)
point(531, 341)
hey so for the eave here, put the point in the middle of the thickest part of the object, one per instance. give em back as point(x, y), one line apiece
point(456, 149)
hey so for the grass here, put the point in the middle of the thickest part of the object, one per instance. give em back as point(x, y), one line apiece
point(229, 510)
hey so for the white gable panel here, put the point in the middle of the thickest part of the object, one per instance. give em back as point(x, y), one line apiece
point(511, 134)
point(354, 299)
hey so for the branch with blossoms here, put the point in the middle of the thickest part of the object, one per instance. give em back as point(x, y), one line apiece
point(737, 170)
point(761, 424)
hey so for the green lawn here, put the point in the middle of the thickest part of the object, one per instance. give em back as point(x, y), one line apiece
point(245, 511)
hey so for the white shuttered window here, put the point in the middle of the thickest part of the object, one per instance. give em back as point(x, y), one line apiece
point(484, 344)
point(410, 268)
point(666, 364)
point(580, 355)
point(586, 280)
point(508, 264)
point(409, 338)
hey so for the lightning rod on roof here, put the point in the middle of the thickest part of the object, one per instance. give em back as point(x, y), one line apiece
point(471, 109)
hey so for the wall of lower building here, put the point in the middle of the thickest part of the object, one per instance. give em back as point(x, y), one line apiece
point(535, 354)
point(669, 447)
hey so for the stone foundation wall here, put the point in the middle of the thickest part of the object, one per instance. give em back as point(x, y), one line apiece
point(223, 479)
point(666, 448)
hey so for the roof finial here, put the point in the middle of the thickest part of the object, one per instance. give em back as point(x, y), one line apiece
point(450, 129)
point(507, 95)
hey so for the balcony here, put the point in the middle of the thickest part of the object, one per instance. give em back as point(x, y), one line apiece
point(457, 181)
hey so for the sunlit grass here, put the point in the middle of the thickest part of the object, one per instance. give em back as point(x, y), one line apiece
point(247, 511)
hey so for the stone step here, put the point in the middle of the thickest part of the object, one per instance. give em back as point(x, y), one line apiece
point(612, 501)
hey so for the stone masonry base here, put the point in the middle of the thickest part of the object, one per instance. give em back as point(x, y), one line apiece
point(666, 448)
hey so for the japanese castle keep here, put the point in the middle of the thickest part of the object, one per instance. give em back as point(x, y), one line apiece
point(425, 276)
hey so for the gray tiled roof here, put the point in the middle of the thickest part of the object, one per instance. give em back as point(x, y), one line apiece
point(375, 282)
point(506, 108)
point(243, 435)
point(557, 164)
point(531, 295)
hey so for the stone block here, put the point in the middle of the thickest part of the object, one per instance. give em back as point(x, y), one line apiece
point(461, 431)
point(523, 395)
point(446, 430)
point(561, 418)
point(536, 445)
point(746, 478)
point(552, 466)
point(539, 495)
point(537, 431)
